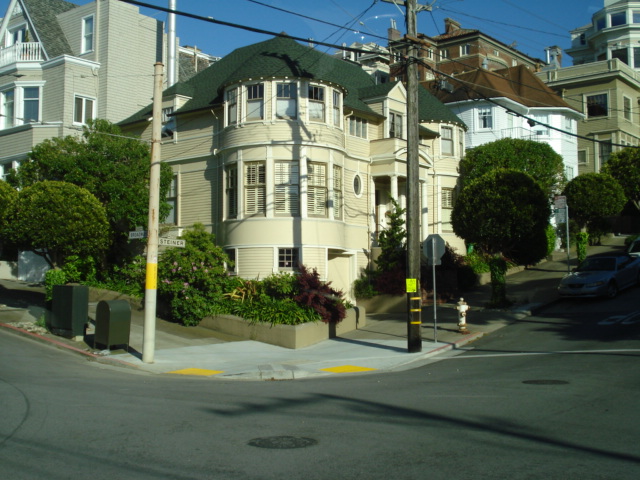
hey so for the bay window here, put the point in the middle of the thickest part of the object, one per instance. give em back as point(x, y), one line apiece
point(286, 101)
point(231, 190)
point(287, 188)
point(317, 189)
point(254, 188)
point(255, 102)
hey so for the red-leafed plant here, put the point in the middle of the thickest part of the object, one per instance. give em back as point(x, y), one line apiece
point(319, 295)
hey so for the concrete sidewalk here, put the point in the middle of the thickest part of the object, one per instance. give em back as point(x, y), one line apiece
point(381, 345)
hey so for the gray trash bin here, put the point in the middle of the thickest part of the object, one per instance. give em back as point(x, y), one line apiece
point(70, 309)
point(113, 323)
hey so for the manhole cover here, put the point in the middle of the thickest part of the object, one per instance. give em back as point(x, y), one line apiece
point(546, 382)
point(282, 442)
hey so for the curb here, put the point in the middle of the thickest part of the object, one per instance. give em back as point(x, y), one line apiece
point(64, 346)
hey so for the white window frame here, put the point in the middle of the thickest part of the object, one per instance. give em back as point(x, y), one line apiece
point(88, 34)
point(255, 102)
point(444, 53)
point(358, 127)
point(231, 97)
point(288, 258)
point(396, 125)
point(231, 190)
point(465, 49)
point(485, 118)
point(83, 114)
point(338, 197)
point(585, 159)
point(287, 188)
point(8, 108)
point(255, 188)
point(446, 138)
point(316, 96)
point(286, 101)
point(172, 199)
point(627, 108)
point(317, 194)
point(337, 108)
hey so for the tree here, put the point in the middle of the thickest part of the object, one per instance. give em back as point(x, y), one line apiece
point(624, 166)
point(8, 197)
point(111, 166)
point(592, 197)
point(534, 158)
point(504, 213)
point(58, 219)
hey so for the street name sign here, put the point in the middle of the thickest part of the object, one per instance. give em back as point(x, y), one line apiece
point(137, 234)
point(171, 242)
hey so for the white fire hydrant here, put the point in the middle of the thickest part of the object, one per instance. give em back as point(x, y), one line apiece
point(462, 315)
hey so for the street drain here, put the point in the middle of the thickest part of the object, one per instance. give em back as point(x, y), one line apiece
point(282, 442)
point(545, 382)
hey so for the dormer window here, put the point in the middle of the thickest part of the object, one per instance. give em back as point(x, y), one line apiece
point(87, 34)
point(395, 125)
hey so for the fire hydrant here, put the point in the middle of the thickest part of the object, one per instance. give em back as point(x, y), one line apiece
point(462, 315)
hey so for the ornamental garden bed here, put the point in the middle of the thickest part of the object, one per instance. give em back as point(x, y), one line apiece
point(287, 336)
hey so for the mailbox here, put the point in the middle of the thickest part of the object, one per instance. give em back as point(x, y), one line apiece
point(113, 323)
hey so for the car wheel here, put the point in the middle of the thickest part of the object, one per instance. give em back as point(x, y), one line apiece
point(612, 290)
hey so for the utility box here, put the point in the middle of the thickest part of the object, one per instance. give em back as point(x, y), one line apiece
point(113, 323)
point(70, 309)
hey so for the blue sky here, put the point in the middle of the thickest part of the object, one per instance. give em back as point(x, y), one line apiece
point(531, 25)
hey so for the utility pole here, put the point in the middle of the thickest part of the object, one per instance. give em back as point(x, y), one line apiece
point(414, 298)
point(151, 284)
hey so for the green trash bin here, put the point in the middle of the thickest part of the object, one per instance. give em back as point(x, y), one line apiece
point(70, 309)
point(113, 323)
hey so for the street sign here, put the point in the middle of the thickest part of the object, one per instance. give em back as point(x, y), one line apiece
point(433, 248)
point(137, 234)
point(171, 242)
point(560, 201)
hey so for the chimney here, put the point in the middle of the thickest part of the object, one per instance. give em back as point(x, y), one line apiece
point(450, 25)
point(393, 33)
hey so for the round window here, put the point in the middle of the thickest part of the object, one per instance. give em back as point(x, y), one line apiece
point(357, 185)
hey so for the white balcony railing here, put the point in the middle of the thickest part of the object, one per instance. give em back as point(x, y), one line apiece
point(21, 52)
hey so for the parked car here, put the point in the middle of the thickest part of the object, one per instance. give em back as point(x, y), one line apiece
point(601, 276)
point(634, 248)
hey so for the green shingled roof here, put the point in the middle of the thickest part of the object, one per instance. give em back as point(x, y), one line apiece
point(282, 57)
point(43, 15)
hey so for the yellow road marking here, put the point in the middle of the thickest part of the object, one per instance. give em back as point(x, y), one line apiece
point(197, 371)
point(347, 369)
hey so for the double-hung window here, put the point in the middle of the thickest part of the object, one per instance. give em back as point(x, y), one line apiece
point(87, 34)
point(172, 199)
point(446, 140)
point(231, 189)
point(7, 108)
point(465, 49)
point(232, 106)
point(254, 188)
point(255, 102)
point(485, 118)
point(287, 188)
point(317, 189)
point(357, 127)
point(316, 103)
point(627, 108)
point(395, 125)
point(84, 110)
point(597, 105)
point(31, 104)
point(337, 109)
point(287, 101)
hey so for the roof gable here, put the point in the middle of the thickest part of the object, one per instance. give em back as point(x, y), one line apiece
point(42, 16)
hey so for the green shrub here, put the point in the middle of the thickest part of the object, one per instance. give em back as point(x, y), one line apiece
point(79, 269)
point(53, 277)
point(551, 239)
point(280, 285)
point(274, 311)
point(363, 286)
point(582, 239)
point(477, 261)
point(128, 279)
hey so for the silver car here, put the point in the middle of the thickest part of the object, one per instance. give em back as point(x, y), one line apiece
point(634, 248)
point(601, 276)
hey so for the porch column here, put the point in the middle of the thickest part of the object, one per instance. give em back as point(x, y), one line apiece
point(394, 188)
